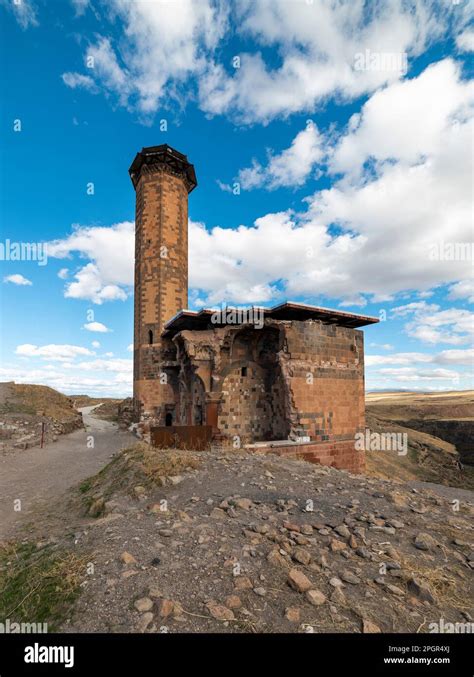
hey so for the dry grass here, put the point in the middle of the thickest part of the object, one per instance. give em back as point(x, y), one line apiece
point(445, 588)
point(141, 465)
point(38, 584)
point(35, 399)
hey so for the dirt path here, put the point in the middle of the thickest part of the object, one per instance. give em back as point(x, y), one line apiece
point(37, 476)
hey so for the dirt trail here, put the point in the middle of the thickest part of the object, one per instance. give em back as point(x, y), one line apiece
point(37, 476)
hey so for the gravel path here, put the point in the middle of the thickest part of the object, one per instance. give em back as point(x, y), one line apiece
point(37, 476)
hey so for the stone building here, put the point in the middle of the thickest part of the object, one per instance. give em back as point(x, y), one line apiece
point(289, 378)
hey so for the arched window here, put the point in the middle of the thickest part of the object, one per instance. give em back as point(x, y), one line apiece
point(150, 337)
point(169, 419)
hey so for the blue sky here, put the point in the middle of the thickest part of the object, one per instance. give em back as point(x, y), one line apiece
point(332, 145)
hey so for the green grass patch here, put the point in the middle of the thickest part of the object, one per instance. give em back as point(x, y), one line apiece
point(38, 584)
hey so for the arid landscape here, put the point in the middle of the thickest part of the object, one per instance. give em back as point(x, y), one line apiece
point(132, 539)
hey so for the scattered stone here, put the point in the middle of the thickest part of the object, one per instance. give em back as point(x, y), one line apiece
point(336, 582)
point(343, 531)
point(424, 541)
point(261, 592)
point(336, 545)
point(243, 503)
point(143, 604)
point(127, 558)
point(315, 597)
point(145, 621)
point(368, 627)
point(298, 581)
point(302, 556)
point(233, 602)
point(175, 479)
point(243, 583)
point(395, 590)
point(166, 608)
point(292, 614)
point(420, 590)
point(349, 577)
point(220, 612)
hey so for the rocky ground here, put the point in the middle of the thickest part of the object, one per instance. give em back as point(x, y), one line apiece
point(245, 543)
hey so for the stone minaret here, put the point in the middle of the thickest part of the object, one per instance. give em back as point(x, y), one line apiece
point(162, 178)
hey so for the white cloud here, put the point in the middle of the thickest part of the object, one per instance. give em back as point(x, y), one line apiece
point(385, 346)
point(130, 348)
point(407, 120)
point(408, 374)
point(52, 351)
point(63, 273)
point(96, 326)
point(109, 275)
point(301, 52)
point(72, 381)
point(25, 12)
point(453, 357)
point(17, 279)
point(95, 344)
point(464, 289)
point(318, 44)
point(161, 48)
point(77, 80)
point(375, 228)
point(291, 167)
point(430, 324)
point(465, 41)
point(80, 6)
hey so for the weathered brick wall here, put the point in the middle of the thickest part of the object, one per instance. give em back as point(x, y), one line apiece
point(326, 380)
point(338, 454)
point(252, 404)
point(161, 275)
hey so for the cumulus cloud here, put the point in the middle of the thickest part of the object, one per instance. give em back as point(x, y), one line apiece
point(161, 49)
point(290, 167)
point(464, 289)
point(302, 52)
point(52, 351)
point(408, 374)
point(319, 45)
point(453, 357)
point(430, 324)
point(109, 274)
point(465, 41)
point(17, 279)
point(96, 326)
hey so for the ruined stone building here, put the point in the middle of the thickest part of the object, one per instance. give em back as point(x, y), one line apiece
point(294, 382)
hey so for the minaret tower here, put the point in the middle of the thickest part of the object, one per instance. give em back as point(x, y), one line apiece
point(162, 178)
